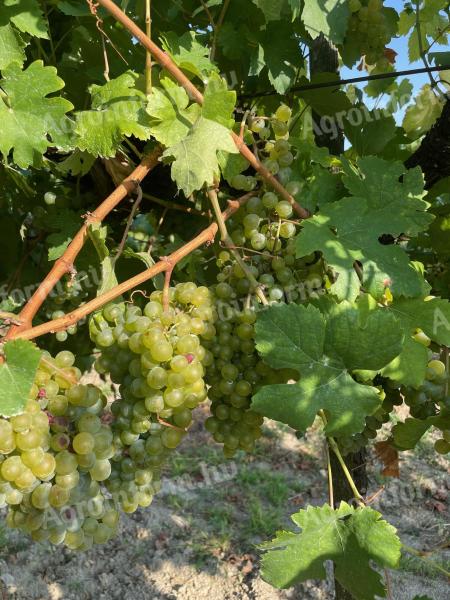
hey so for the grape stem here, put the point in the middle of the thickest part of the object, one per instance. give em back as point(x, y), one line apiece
point(225, 237)
point(332, 444)
point(65, 263)
point(148, 56)
point(205, 237)
point(129, 221)
point(167, 63)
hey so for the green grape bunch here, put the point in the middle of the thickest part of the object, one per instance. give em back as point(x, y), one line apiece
point(158, 357)
point(55, 456)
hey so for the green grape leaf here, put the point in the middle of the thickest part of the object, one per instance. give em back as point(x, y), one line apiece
point(231, 164)
point(422, 115)
point(17, 375)
point(372, 135)
point(296, 7)
point(349, 230)
point(97, 234)
point(171, 117)
point(323, 349)
point(66, 223)
point(195, 160)
point(272, 9)
point(26, 114)
point(26, 15)
point(11, 47)
point(118, 110)
point(433, 317)
point(352, 538)
point(219, 102)
point(422, 598)
point(77, 163)
point(329, 17)
point(326, 102)
point(279, 53)
point(188, 53)
point(231, 40)
point(408, 434)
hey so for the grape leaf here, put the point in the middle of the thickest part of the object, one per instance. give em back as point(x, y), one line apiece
point(433, 317)
point(372, 135)
point(219, 101)
point(17, 375)
point(329, 17)
point(97, 234)
point(65, 223)
point(77, 163)
point(11, 47)
point(326, 102)
point(349, 230)
point(26, 15)
point(422, 115)
point(195, 157)
point(171, 117)
point(279, 53)
point(188, 53)
point(323, 349)
point(351, 538)
point(26, 115)
point(407, 435)
point(118, 110)
point(272, 9)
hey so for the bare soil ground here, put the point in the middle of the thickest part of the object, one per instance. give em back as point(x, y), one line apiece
point(198, 539)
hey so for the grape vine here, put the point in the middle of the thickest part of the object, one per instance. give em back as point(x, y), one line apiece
point(282, 282)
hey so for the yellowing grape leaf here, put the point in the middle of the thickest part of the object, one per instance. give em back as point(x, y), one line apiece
point(27, 116)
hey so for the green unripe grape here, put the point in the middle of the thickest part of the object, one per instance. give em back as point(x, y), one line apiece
point(257, 125)
point(65, 463)
point(283, 113)
point(272, 166)
point(286, 160)
point(46, 467)
point(270, 200)
point(283, 209)
point(171, 438)
point(162, 352)
point(279, 127)
point(83, 443)
point(442, 446)
point(101, 470)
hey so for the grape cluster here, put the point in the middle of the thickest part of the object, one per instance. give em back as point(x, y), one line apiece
point(431, 399)
point(69, 294)
point(390, 396)
point(53, 457)
point(157, 356)
point(263, 232)
point(368, 29)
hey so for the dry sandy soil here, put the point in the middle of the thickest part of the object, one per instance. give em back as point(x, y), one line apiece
point(197, 540)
